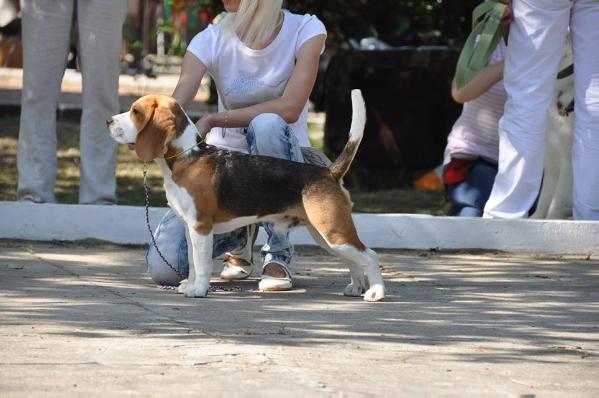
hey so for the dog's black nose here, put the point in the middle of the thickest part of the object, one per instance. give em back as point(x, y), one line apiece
point(108, 122)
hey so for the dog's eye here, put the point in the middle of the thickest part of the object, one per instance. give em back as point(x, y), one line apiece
point(135, 111)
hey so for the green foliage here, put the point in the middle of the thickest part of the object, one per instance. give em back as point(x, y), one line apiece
point(395, 21)
point(175, 46)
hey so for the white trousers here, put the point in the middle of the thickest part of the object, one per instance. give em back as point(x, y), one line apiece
point(46, 36)
point(535, 47)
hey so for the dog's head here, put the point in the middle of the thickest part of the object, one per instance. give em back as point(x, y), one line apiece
point(151, 124)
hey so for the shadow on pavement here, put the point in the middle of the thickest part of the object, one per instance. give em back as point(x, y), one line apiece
point(522, 308)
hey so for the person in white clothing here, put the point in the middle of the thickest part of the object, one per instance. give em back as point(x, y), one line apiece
point(536, 42)
point(264, 62)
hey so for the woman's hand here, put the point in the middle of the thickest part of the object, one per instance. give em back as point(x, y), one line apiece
point(205, 124)
point(508, 14)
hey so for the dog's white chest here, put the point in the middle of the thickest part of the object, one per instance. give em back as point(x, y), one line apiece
point(180, 201)
point(178, 198)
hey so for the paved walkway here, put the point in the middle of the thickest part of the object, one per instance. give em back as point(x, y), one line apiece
point(84, 320)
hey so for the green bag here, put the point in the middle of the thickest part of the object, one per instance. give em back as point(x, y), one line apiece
point(486, 25)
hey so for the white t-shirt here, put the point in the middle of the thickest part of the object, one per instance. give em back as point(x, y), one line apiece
point(246, 77)
point(476, 133)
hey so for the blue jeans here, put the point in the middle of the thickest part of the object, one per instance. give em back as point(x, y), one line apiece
point(468, 198)
point(268, 135)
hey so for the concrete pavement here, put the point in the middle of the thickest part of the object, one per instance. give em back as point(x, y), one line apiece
point(84, 319)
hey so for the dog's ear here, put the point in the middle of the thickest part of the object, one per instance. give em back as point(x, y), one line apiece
point(153, 139)
point(181, 120)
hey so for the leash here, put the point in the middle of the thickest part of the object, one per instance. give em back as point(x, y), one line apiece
point(147, 197)
point(486, 26)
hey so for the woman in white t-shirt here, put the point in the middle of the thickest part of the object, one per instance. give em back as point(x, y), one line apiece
point(264, 62)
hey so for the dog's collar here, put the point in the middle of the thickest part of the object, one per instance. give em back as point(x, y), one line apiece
point(567, 71)
point(185, 150)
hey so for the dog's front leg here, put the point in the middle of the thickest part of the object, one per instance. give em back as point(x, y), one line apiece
point(200, 270)
point(561, 205)
point(183, 284)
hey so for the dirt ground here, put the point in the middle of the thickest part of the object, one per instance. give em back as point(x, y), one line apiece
point(85, 320)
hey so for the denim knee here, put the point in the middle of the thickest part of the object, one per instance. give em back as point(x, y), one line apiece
point(159, 272)
point(269, 135)
point(468, 198)
point(169, 237)
point(267, 124)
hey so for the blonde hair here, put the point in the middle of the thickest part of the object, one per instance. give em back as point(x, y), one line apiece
point(254, 22)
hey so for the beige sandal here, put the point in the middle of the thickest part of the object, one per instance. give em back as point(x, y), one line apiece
point(233, 270)
point(271, 284)
point(238, 265)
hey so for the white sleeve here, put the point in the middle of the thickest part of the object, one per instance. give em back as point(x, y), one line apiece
point(310, 27)
point(498, 54)
point(202, 45)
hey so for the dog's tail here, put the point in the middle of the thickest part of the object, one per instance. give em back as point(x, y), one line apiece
point(356, 131)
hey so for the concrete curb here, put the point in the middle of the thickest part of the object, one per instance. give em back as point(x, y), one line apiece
point(126, 225)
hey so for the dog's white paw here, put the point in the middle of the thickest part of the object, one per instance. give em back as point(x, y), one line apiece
point(196, 290)
point(375, 293)
point(357, 285)
point(353, 290)
point(182, 286)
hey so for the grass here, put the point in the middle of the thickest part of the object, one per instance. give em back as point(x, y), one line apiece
point(130, 172)
point(129, 168)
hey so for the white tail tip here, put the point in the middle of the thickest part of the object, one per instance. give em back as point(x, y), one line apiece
point(358, 121)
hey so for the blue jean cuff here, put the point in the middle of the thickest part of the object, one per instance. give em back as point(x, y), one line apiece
point(277, 258)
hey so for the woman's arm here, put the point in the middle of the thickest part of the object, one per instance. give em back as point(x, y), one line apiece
point(489, 75)
point(289, 106)
point(190, 78)
point(484, 80)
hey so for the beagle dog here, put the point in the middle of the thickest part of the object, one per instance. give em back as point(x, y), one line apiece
point(216, 191)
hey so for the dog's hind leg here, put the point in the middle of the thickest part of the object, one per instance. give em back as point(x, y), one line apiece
point(358, 284)
point(334, 223)
point(367, 259)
